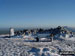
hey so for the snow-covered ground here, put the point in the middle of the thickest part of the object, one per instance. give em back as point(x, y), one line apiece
point(18, 47)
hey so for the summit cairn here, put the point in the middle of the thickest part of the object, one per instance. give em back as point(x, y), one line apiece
point(11, 31)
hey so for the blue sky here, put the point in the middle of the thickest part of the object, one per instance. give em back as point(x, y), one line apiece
point(37, 13)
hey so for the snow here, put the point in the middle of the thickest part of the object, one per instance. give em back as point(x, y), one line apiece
point(25, 45)
point(18, 47)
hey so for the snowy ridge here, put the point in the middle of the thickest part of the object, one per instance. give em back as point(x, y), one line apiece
point(63, 40)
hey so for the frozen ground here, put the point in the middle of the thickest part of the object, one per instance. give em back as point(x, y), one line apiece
point(18, 47)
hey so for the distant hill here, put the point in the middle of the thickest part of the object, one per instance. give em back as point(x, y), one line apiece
point(70, 28)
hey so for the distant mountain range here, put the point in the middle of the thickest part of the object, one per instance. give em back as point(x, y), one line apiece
point(70, 28)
